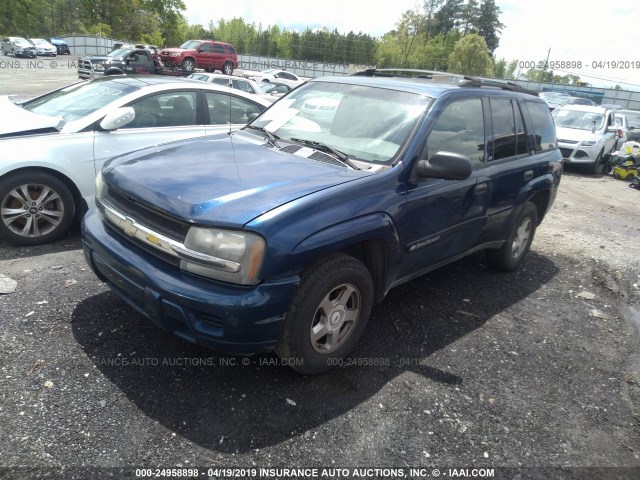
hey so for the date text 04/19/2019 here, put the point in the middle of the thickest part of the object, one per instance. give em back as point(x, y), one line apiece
point(579, 64)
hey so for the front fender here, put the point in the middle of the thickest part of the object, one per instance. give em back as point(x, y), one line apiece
point(369, 231)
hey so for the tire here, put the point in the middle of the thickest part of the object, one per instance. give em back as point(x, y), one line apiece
point(328, 314)
point(227, 68)
point(35, 207)
point(509, 257)
point(596, 164)
point(188, 64)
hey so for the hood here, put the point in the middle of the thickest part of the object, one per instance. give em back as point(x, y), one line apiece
point(15, 120)
point(99, 58)
point(173, 50)
point(223, 180)
point(575, 135)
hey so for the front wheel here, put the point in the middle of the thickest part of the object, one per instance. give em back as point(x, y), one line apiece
point(596, 164)
point(35, 208)
point(188, 65)
point(509, 257)
point(227, 68)
point(328, 314)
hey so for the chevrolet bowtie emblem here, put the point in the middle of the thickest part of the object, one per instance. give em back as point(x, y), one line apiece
point(128, 225)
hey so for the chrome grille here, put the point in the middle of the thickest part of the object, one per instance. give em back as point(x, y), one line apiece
point(174, 229)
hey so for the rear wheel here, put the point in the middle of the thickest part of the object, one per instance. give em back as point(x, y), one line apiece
point(509, 257)
point(35, 208)
point(227, 68)
point(328, 314)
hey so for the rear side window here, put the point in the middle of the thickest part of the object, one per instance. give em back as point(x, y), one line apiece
point(544, 130)
point(509, 137)
point(230, 49)
point(217, 48)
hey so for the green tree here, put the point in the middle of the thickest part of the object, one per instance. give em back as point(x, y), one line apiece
point(488, 24)
point(506, 70)
point(471, 57)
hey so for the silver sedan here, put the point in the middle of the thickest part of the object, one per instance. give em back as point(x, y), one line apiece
point(53, 145)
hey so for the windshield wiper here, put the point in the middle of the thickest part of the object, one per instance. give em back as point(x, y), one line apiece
point(323, 147)
point(272, 137)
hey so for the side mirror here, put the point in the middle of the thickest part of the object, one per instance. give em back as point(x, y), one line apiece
point(445, 165)
point(118, 118)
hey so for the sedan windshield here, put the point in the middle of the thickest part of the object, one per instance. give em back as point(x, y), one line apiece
point(21, 42)
point(365, 123)
point(78, 100)
point(577, 119)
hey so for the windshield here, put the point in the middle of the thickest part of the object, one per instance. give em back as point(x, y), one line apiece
point(21, 42)
point(78, 100)
point(578, 120)
point(190, 44)
point(120, 53)
point(39, 41)
point(366, 123)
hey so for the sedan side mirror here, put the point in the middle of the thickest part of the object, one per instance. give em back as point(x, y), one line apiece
point(118, 118)
point(445, 165)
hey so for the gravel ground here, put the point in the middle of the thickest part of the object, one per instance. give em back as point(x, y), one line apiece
point(534, 373)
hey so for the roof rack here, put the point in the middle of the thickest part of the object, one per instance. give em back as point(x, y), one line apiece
point(400, 72)
point(481, 82)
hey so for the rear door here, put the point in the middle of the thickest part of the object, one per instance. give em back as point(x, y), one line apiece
point(218, 56)
point(445, 218)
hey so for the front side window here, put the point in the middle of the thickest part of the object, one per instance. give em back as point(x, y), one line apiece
point(459, 128)
point(173, 109)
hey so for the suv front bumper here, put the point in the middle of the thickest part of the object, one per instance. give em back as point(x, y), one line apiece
point(576, 153)
point(226, 317)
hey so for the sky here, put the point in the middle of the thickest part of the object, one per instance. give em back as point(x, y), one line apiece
point(576, 31)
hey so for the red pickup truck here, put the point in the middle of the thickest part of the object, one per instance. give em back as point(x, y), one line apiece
point(205, 54)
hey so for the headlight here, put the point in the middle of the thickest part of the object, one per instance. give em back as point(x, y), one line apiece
point(230, 256)
point(589, 143)
point(101, 187)
point(98, 67)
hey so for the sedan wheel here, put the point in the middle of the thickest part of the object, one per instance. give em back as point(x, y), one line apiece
point(35, 208)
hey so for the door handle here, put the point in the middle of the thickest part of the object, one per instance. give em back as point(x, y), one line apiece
point(480, 189)
point(528, 175)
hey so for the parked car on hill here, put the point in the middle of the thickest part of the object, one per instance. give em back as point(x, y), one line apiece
point(275, 75)
point(61, 46)
point(18, 47)
point(53, 145)
point(43, 47)
point(205, 54)
point(283, 235)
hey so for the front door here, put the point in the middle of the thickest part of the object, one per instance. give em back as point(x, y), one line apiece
point(445, 217)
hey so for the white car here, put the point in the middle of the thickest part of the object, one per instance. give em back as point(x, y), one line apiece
point(53, 145)
point(18, 47)
point(275, 75)
point(585, 134)
point(43, 47)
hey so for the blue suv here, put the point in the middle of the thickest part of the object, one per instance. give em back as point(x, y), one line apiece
point(283, 235)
